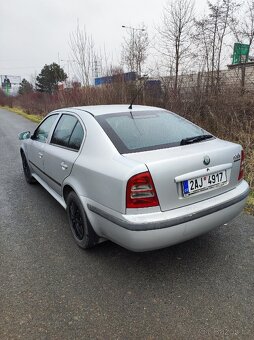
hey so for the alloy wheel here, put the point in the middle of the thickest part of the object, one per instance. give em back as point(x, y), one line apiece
point(76, 220)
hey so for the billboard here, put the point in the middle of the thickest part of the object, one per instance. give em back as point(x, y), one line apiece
point(128, 76)
point(10, 83)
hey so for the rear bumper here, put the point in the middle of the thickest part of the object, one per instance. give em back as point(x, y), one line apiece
point(150, 231)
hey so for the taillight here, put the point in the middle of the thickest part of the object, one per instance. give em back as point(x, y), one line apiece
point(140, 192)
point(241, 172)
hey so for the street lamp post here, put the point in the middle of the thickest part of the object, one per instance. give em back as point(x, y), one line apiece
point(133, 30)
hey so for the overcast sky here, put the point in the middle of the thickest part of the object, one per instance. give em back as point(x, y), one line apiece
point(36, 32)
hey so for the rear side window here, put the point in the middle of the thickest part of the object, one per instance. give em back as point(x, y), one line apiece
point(142, 131)
point(76, 137)
point(68, 132)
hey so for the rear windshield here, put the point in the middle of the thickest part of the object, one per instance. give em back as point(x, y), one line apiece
point(143, 131)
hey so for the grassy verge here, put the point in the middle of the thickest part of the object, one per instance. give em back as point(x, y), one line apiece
point(33, 118)
point(250, 204)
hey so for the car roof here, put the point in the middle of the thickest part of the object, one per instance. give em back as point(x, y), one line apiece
point(97, 110)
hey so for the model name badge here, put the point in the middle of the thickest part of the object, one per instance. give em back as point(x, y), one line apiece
point(237, 157)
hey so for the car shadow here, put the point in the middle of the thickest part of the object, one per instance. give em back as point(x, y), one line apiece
point(201, 252)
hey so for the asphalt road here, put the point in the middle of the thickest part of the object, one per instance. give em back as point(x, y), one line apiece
point(51, 289)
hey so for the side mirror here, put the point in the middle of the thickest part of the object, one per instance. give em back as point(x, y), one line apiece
point(24, 135)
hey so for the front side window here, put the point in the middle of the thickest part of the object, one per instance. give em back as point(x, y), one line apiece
point(68, 132)
point(42, 132)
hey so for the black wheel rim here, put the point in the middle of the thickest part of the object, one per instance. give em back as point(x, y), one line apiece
point(25, 167)
point(77, 222)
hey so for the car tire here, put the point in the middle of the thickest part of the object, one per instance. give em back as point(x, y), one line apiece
point(81, 229)
point(27, 172)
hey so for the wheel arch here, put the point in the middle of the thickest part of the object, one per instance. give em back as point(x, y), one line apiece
point(22, 151)
point(66, 190)
point(71, 183)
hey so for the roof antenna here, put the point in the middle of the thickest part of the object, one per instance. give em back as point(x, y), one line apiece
point(145, 78)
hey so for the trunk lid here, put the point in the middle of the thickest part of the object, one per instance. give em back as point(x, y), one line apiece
point(170, 167)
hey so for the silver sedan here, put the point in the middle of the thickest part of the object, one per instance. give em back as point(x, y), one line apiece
point(143, 177)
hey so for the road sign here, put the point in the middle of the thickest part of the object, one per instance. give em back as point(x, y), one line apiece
point(241, 53)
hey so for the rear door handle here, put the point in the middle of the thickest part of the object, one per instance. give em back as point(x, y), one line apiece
point(64, 166)
point(40, 154)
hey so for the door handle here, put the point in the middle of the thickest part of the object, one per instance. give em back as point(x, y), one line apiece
point(64, 166)
point(40, 154)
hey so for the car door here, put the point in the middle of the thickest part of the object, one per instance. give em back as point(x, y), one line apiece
point(37, 145)
point(63, 150)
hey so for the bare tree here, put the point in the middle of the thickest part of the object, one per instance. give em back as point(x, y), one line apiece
point(226, 10)
point(201, 39)
point(210, 35)
point(243, 32)
point(135, 49)
point(174, 35)
point(83, 52)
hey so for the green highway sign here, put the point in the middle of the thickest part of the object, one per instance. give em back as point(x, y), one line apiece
point(241, 53)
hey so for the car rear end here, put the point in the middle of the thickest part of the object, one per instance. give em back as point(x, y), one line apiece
point(192, 183)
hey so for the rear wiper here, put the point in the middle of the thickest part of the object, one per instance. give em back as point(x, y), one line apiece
point(195, 139)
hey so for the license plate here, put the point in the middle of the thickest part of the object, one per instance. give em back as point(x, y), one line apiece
point(207, 182)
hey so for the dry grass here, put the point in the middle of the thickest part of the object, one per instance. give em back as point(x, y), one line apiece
point(250, 204)
point(19, 111)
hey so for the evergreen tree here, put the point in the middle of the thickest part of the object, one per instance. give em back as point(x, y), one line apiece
point(25, 87)
point(49, 77)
